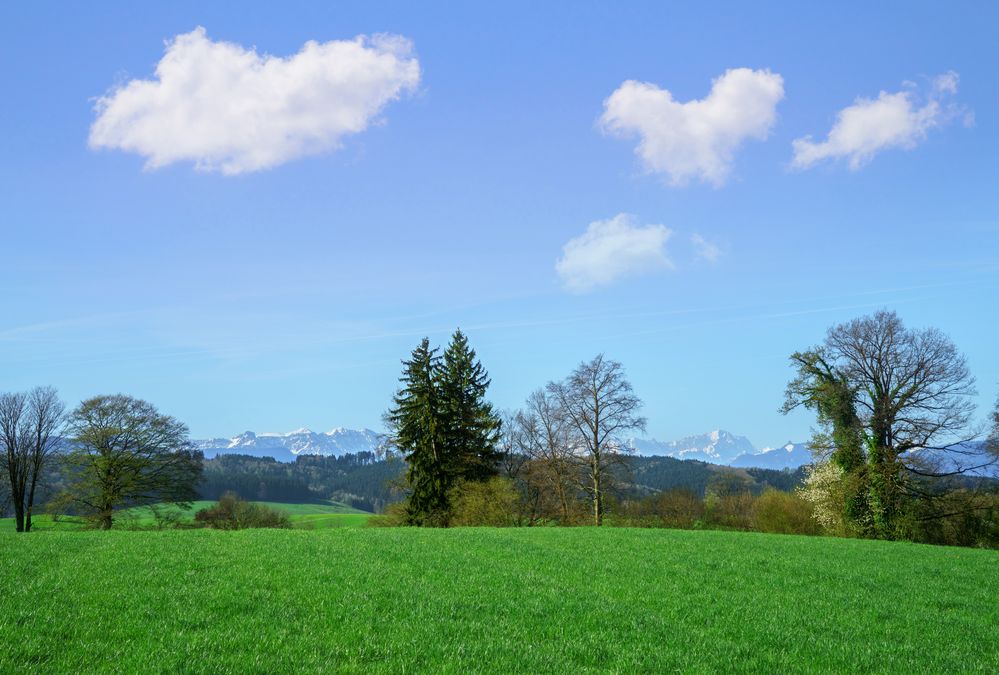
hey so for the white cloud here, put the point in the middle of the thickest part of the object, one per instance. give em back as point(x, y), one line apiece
point(230, 109)
point(871, 125)
point(696, 139)
point(704, 249)
point(612, 249)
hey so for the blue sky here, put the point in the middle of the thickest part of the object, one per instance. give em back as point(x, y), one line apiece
point(282, 296)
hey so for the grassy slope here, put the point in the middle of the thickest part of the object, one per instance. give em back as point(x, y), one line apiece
point(303, 516)
point(498, 600)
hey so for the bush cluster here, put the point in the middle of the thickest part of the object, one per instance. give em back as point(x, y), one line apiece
point(773, 511)
point(232, 512)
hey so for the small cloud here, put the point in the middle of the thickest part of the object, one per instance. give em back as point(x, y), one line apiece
point(610, 250)
point(704, 249)
point(226, 108)
point(869, 126)
point(696, 139)
point(946, 83)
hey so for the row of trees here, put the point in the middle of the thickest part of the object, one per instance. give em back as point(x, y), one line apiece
point(895, 448)
point(568, 442)
point(359, 480)
point(112, 451)
point(565, 445)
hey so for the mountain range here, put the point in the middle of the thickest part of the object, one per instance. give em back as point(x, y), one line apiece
point(722, 447)
point(715, 447)
point(286, 447)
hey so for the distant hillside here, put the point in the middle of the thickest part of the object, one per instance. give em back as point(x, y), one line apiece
point(366, 483)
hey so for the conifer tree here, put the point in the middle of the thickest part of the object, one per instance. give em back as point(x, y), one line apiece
point(471, 425)
point(417, 431)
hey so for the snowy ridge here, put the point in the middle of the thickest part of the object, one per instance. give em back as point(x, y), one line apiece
point(725, 448)
point(286, 447)
point(789, 456)
point(717, 447)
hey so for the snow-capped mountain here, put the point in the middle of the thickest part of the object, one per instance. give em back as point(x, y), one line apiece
point(286, 447)
point(716, 447)
point(789, 456)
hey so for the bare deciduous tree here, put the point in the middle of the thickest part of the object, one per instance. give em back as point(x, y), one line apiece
point(911, 395)
point(600, 408)
point(993, 442)
point(546, 439)
point(14, 436)
point(29, 424)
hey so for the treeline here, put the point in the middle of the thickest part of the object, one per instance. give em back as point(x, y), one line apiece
point(562, 459)
point(360, 480)
point(649, 475)
point(106, 454)
point(370, 483)
point(892, 459)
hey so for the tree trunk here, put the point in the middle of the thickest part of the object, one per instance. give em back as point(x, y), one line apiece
point(106, 520)
point(18, 515)
point(598, 496)
point(29, 505)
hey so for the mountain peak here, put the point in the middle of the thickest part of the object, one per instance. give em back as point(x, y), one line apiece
point(718, 447)
point(286, 447)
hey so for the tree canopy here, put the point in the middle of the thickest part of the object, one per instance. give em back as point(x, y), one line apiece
point(894, 405)
point(126, 453)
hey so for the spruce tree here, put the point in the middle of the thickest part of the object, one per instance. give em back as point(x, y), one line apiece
point(417, 431)
point(471, 426)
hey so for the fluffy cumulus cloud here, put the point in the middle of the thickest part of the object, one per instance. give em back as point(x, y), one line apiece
point(899, 120)
point(226, 108)
point(697, 139)
point(612, 249)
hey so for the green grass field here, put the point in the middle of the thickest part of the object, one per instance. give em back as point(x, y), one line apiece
point(534, 600)
point(303, 516)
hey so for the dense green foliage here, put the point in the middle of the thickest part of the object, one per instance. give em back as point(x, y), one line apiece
point(668, 473)
point(416, 423)
point(471, 426)
point(498, 600)
point(445, 429)
point(360, 480)
point(124, 452)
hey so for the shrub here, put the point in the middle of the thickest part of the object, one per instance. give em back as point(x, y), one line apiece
point(785, 513)
point(679, 508)
point(493, 503)
point(395, 515)
point(960, 518)
point(730, 511)
point(232, 512)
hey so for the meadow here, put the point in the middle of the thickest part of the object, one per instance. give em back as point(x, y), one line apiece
point(321, 515)
point(498, 600)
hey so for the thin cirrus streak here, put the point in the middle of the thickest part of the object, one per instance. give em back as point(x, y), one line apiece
point(249, 351)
